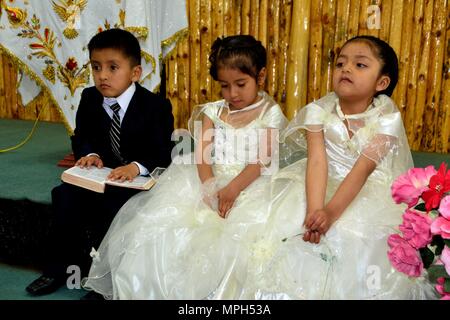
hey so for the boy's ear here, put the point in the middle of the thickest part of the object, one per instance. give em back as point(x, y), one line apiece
point(262, 77)
point(383, 83)
point(136, 73)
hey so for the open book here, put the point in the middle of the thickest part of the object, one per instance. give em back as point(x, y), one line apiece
point(95, 179)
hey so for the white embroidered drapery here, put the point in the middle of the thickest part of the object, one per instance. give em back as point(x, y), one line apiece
point(47, 40)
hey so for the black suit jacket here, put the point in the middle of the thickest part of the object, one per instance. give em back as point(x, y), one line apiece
point(145, 130)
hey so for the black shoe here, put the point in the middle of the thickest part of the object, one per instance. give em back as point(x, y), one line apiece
point(44, 285)
point(92, 295)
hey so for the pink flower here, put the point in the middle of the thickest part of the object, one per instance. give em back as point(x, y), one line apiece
point(440, 289)
point(445, 258)
point(441, 226)
point(444, 207)
point(408, 187)
point(416, 228)
point(404, 257)
point(440, 285)
point(438, 186)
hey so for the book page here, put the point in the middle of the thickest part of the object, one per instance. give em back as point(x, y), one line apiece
point(94, 178)
point(92, 173)
point(137, 183)
point(140, 182)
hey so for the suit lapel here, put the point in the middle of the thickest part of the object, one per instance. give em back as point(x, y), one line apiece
point(132, 110)
point(97, 104)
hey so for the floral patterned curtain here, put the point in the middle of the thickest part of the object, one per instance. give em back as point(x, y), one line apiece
point(47, 40)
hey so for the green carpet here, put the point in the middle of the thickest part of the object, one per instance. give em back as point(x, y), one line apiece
point(31, 171)
point(14, 280)
point(423, 159)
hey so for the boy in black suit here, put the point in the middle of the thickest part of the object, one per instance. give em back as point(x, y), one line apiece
point(119, 124)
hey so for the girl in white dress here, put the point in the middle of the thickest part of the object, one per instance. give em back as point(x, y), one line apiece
point(332, 213)
point(191, 235)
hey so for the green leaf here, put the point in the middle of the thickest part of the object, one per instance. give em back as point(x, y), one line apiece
point(427, 256)
point(447, 285)
point(433, 214)
point(439, 243)
point(437, 271)
point(421, 207)
point(447, 242)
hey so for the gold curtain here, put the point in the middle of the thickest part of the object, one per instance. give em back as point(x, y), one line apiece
point(302, 38)
point(10, 103)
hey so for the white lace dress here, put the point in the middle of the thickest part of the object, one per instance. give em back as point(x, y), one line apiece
point(167, 244)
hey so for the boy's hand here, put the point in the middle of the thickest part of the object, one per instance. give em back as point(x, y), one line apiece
point(88, 161)
point(124, 173)
point(227, 196)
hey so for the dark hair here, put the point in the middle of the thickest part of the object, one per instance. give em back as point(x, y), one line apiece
point(387, 57)
point(241, 52)
point(118, 39)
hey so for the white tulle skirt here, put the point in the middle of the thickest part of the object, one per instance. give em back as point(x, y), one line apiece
point(350, 262)
point(167, 244)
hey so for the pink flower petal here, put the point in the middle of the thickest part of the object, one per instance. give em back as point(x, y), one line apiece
point(408, 187)
point(444, 207)
point(403, 257)
point(416, 228)
point(441, 226)
point(445, 258)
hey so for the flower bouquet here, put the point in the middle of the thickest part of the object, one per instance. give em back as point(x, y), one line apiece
point(425, 239)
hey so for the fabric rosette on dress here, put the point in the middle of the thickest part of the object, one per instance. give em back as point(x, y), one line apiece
point(167, 243)
point(350, 262)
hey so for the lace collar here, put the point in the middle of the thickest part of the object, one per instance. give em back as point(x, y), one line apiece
point(370, 111)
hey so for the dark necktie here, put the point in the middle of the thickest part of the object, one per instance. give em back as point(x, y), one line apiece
point(114, 132)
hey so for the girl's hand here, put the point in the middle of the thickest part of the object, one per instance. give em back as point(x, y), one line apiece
point(311, 236)
point(324, 220)
point(124, 173)
point(208, 191)
point(227, 196)
point(320, 220)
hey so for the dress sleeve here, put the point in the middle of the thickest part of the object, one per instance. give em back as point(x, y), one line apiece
point(383, 140)
point(274, 118)
point(293, 145)
point(209, 109)
point(313, 117)
point(310, 118)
